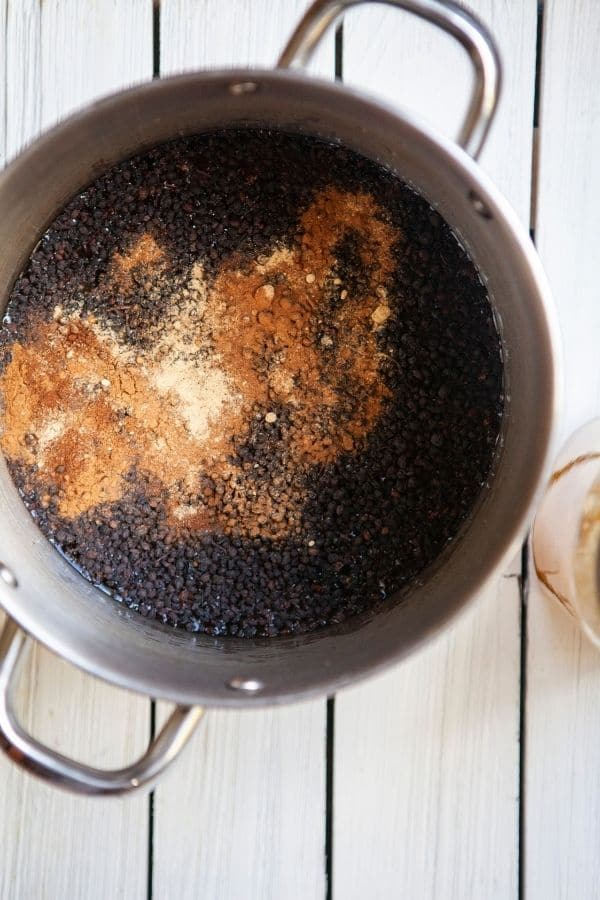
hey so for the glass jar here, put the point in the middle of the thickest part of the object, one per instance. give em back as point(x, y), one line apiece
point(566, 531)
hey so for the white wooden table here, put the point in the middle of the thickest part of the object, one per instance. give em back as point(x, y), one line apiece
point(471, 771)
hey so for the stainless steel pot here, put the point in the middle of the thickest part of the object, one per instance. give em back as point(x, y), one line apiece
point(48, 600)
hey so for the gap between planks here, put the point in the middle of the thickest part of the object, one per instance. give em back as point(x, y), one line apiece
point(562, 827)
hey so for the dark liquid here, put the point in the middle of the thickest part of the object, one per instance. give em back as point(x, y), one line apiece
point(342, 534)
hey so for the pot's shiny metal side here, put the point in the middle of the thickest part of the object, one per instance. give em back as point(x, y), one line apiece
point(40, 760)
point(48, 598)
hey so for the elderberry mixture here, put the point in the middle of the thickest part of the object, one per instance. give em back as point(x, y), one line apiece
point(250, 384)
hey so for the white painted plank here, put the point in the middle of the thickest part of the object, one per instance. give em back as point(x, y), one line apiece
point(427, 757)
point(22, 74)
point(208, 34)
point(426, 778)
point(243, 815)
point(568, 221)
point(414, 66)
point(91, 49)
point(53, 844)
point(562, 768)
point(3, 28)
point(563, 670)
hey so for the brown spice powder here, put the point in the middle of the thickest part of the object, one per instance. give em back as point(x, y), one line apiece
point(110, 415)
point(144, 257)
point(86, 408)
point(274, 313)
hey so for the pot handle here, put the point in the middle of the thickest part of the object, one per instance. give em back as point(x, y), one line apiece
point(452, 19)
point(61, 771)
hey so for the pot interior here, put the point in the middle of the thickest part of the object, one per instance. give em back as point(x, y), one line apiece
point(53, 602)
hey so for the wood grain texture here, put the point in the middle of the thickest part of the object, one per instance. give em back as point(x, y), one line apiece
point(3, 50)
point(563, 669)
point(53, 844)
point(90, 49)
point(427, 757)
point(22, 40)
point(208, 34)
point(568, 204)
point(411, 65)
point(242, 815)
point(426, 767)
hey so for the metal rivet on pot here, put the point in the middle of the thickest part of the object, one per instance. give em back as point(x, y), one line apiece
point(243, 87)
point(7, 576)
point(249, 685)
point(479, 206)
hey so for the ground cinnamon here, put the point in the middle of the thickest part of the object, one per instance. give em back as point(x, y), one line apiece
point(282, 333)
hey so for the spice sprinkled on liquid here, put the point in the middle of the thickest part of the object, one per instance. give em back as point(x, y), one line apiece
point(250, 384)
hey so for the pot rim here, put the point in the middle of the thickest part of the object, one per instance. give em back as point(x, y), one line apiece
point(96, 661)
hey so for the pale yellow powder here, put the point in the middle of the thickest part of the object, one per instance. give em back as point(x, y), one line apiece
point(203, 391)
